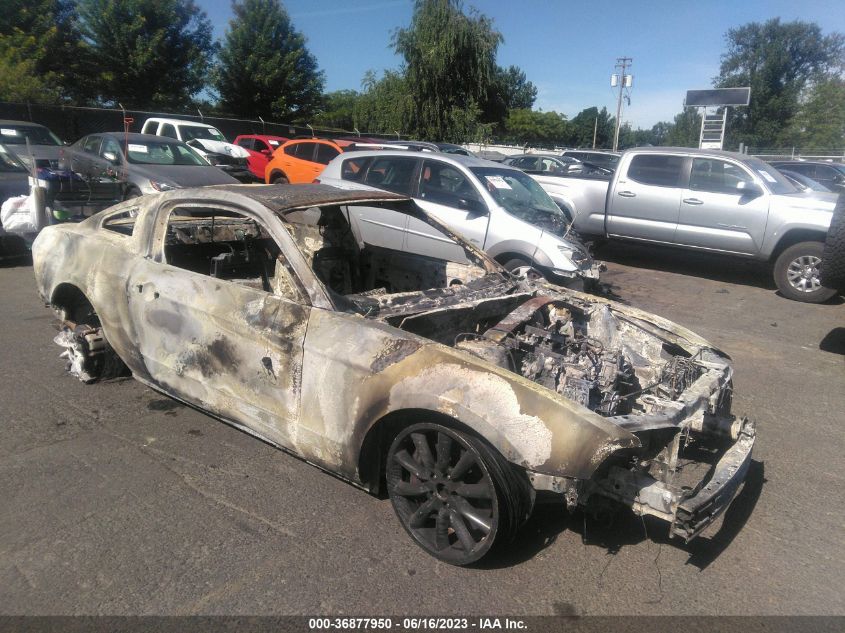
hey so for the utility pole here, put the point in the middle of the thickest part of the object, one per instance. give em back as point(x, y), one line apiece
point(623, 81)
point(595, 129)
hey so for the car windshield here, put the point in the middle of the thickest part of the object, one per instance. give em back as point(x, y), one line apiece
point(775, 181)
point(9, 162)
point(191, 132)
point(18, 134)
point(163, 153)
point(519, 194)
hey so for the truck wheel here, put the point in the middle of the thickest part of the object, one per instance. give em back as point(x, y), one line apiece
point(796, 273)
point(833, 257)
point(280, 179)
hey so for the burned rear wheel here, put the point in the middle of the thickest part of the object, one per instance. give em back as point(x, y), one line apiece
point(456, 496)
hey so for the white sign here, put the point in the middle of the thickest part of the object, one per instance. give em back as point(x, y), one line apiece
point(498, 182)
point(766, 175)
point(138, 149)
point(9, 132)
point(711, 145)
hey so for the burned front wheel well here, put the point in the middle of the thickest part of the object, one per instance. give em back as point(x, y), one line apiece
point(374, 448)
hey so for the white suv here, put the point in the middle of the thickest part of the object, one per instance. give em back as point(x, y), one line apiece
point(207, 140)
point(499, 209)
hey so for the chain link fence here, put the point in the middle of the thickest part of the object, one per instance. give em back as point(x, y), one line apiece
point(70, 123)
point(796, 153)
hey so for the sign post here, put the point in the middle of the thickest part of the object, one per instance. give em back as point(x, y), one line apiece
point(712, 135)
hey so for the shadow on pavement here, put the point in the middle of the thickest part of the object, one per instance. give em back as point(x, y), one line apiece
point(613, 532)
point(834, 341)
point(725, 268)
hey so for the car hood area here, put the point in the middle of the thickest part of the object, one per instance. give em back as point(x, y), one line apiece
point(184, 175)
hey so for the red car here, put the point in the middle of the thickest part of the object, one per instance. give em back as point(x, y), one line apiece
point(260, 148)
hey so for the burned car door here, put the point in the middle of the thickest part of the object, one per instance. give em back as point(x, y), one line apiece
point(212, 325)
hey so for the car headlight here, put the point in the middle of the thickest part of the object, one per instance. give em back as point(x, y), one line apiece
point(575, 255)
point(163, 186)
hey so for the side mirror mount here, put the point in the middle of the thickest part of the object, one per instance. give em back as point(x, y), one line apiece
point(747, 188)
point(113, 158)
point(476, 208)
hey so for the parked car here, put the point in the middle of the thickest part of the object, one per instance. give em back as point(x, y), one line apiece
point(498, 208)
point(831, 175)
point(451, 148)
point(208, 141)
point(803, 183)
point(543, 163)
point(602, 158)
point(463, 390)
point(14, 176)
point(302, 160)
point(707, 200)
point(138, 164)
point(260, 148)
point(43, 144)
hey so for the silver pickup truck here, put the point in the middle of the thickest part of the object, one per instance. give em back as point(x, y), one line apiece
point(708, 200)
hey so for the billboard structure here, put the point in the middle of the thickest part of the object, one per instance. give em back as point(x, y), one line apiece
point(712, 134)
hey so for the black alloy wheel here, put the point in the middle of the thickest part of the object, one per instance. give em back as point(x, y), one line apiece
point(454, 494)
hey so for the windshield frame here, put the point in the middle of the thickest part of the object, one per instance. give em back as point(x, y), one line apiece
point(44, 133)
point(781, 185)
point(10, 163)
point(201, 162)
point(188, 136)
point(552, 210)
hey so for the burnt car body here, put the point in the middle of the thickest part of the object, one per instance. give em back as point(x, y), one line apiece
point(465, 390)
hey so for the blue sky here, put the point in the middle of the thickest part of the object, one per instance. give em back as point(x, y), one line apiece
point(566, 47)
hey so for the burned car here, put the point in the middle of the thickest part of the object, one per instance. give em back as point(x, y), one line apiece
point(460, 389)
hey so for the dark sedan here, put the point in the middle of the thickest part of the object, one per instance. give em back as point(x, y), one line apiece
point(140, 164)
point(831, 175)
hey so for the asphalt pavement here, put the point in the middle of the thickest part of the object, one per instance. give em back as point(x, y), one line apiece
point(117, 500)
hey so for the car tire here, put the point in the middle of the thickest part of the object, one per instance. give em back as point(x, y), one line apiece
point(455, 495)
point(516, 262)
point(796, 273)
point(280, 179)
point(833, 256)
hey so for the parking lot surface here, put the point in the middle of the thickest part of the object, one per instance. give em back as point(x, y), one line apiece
point(117, 500)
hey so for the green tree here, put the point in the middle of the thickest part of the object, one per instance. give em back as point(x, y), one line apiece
point(530, 127)
point(777, 60)
point(820, 121)
point(338, 110)
point(509, 91)
point(265, 68)
point(449, 67)
point(43, 56)
point(585, 122)
point(147, 54)
point(685, 130)
point(385, 105)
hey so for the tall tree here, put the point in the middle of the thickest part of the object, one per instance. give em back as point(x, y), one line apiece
point(526, 126)
point(338, 110)
point(820, 121)
point(588, 121)
point(449, 67)
point(510, 90)
point(43, 56)
point(685, 130)
point(777, 60)
point(265, 68)
point(385, 105)
point(148, 54)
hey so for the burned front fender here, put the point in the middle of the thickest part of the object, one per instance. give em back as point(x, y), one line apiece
point(355, 376)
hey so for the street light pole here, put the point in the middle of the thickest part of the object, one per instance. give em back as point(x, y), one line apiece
point(624, 82)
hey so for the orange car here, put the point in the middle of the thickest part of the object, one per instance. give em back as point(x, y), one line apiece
point(302, 160)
